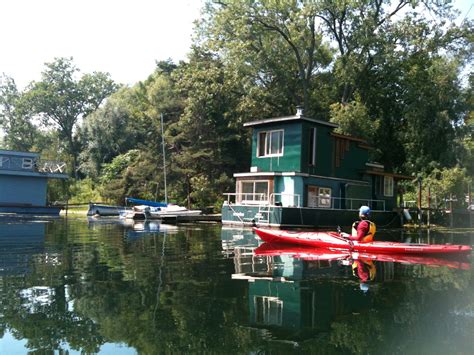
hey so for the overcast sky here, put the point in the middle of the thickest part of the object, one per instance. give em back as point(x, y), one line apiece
point(122, 37)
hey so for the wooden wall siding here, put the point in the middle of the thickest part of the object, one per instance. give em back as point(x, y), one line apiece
point(349, 158)
point(342, 146)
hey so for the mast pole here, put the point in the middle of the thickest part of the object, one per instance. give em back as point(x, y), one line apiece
point(164, 157)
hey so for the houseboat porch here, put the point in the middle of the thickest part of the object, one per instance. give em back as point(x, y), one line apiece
point(247, 209)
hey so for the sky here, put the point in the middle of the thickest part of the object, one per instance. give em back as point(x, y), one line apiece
point(122, 37)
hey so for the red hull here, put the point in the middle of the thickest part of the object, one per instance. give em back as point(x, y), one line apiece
point(306, 253)
point(334, 241)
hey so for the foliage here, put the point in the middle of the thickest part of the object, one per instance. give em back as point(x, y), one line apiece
point(443, 185)
point(111, 130)
point(275, 47)
point(58, 191)
point(115, 179)
point(353, 119)
point(15, 118)
point(210, 193)
point(61, 100)
point(84, 191)
point(383, 70)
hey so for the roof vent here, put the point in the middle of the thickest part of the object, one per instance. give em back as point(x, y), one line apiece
point(299, 111)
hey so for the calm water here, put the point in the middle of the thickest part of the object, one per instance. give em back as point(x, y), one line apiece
point(82, 286)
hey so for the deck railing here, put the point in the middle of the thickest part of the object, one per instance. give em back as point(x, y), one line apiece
point(50, 166)
point(294, 200)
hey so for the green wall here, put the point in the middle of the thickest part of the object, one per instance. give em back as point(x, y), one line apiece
point(324, 148)
point(296, 159)
point(353, 162)
point(291, 160)
point(296, 152)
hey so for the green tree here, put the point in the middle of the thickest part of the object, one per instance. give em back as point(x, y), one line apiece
point(204, 140)
point(408, 82)
point(275, 46)
point(60, 100)
point(15, 118)
point(111, 130)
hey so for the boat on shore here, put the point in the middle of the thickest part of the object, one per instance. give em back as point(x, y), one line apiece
point(155, 210)
point(105, 210)
point(332, 240)
point(147, 212)
point(142, 210)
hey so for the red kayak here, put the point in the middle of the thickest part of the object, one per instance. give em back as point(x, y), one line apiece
point(333, 240)
point(307, 253)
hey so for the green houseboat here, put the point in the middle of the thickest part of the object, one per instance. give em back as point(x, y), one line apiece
point(303, 174)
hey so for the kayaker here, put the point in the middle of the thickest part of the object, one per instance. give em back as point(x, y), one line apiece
point(364, 269)
point(364, 229)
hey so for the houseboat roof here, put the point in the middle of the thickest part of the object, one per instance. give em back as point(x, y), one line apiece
point(288, 119)
point(18, 154)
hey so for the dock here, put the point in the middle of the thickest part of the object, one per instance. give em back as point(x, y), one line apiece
point(203, 218)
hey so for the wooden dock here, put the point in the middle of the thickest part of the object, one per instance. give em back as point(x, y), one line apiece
point(203, 218)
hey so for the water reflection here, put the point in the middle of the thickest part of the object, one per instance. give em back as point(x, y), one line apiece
point(303, 295)
point(104, 286)
point(19, 244)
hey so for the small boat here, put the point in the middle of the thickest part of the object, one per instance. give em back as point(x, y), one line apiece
point(333, 240)
point(105, 210)
point(155, 210)
point(138, 201)
point(320, 254)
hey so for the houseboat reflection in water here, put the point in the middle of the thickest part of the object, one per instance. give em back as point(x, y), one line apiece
point(296, 292)
point(20, 243)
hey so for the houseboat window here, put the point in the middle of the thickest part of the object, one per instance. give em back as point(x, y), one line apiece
point(254, 191)
point(312, 146)
point(388, 186)
point(324, 197)
point(261, 144)
point(378, 181)
point(319, 196)
point(270, 143)
point(268, 310)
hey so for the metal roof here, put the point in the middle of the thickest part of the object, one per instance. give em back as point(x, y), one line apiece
point(288, 119)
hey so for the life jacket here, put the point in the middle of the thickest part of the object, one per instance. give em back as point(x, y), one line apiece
point(369, 236)
point(367, 265)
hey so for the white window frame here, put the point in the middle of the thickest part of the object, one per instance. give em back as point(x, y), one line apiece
point(323, 196)
point(268, 310)
point(388, 185)
point(312, 152)
point(252, 198)
point(268, 143)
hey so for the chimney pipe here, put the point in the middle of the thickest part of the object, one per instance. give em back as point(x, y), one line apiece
point(299, 111)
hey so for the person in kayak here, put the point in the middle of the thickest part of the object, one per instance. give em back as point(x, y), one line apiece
point(365, 270)
point(363, 230)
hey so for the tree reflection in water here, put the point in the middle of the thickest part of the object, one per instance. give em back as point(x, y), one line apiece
point(83, 286)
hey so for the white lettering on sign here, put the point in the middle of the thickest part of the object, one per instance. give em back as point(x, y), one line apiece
point(27, 163)
point(3, 161)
